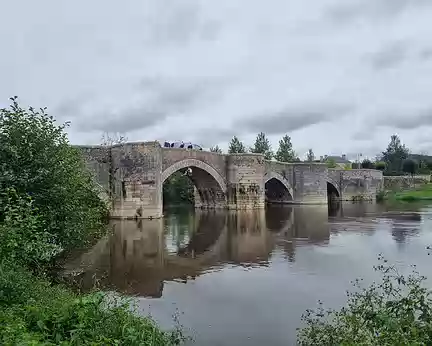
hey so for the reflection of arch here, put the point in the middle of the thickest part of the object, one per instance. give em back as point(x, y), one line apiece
point(207, 232)
point(209, 183)
point(268, 178)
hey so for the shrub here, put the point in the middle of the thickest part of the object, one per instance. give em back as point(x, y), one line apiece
point(52, 315)
point(396, 311)
point(23, 237)
point(37, 160)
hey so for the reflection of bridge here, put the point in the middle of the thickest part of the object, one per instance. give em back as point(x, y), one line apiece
point(235, 181)
point(140, 256)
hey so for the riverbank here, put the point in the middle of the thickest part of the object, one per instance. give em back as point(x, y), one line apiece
point(35, 312)
point(422, 192)
point(53, 208)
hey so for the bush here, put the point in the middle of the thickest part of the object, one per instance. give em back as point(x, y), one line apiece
point(36, 160)
point(23, 237)
point(396, 311)
point(52, 315)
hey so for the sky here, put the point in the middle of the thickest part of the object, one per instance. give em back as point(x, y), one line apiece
point(338, 76)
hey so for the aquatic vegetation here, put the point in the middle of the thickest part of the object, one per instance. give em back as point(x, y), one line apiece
point(395, 311)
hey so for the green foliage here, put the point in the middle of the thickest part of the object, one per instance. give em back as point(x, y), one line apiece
point(262, 146)
point(23, 235)
point(49, 202)
point(52, 315)
point(37, 160)
point(331, 163)
point(410, 166)
point(178, 189)
point(216, 149)
point(356, 165)
point(395, 311)
point(348, 166)
point(367, 164)
point(395, 154)
point(380, 165)
point(310, 156)
point(285, 152)
point(236, 147)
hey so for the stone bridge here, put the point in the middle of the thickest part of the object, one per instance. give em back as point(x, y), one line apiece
point(134, 174)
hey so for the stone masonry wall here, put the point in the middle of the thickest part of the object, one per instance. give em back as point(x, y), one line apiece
point(307, 181)
point(245, 188)
point(139, 166)
point(356, 184)
point(405, 181)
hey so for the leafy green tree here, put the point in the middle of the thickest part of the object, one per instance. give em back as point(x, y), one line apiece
point(380, 165)
point(178, 189)
point(331, 163)
point(236, 147)
point(262, 146)
point(395, 154)
point(310, 156)
point(216, 149)
point(37, 160)
point(410, 166)
point(367, 164)
point(285, 152)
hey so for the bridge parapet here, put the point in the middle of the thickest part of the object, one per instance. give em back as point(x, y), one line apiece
point(356, 184)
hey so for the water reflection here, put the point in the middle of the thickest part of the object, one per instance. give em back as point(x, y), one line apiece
point(140, 256)
point(272, 264)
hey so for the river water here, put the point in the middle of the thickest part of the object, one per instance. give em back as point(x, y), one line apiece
point(245, 278)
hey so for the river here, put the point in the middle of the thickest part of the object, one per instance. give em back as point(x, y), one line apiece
point(245, 278)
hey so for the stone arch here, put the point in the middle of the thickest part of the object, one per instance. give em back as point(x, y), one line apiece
point(280, 179)
point(331, 185)
point(209, 184)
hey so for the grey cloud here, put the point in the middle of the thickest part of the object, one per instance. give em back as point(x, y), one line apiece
point(178, 23)
point(364, 134)
point(351, 10)
point(390, 56)
point(292, 119)
point(426, 53)
point(165, 98)
point(407, 121)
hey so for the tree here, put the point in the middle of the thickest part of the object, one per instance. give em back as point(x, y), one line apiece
point(285, 152)
point(236, 147)
point(37, 161)
point(395, 154)
point(216, 149)
point(310, 156)
point(380, 165)
point(331, 163)
point(410, 166)
point(262, 146)
point(367, 164)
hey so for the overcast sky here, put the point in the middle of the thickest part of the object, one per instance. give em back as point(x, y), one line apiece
point(338, 76)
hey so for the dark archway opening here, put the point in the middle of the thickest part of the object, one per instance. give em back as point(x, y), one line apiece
point(277, 193)
point(333, 199)
point(192, 186)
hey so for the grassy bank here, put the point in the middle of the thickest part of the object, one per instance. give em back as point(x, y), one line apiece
point(35, 312)
point(422, 192)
